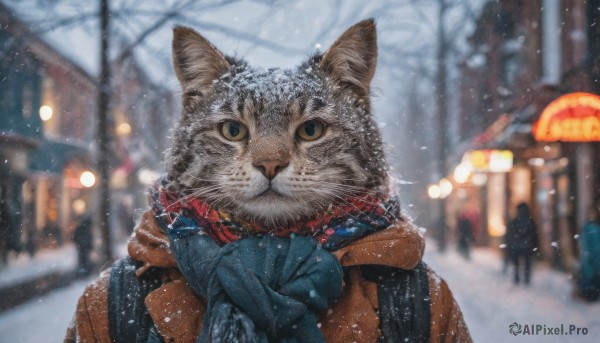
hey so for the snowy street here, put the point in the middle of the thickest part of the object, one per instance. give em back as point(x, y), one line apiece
point(43, 319)
point(489, 301)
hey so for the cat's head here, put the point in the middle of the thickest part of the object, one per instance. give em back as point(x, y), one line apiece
point(275, 145)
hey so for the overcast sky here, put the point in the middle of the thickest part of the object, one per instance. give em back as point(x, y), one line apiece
point(266, 33)
point(269, 33)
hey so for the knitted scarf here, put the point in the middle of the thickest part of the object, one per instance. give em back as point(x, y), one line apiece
point(334, 228)
point(263, 284)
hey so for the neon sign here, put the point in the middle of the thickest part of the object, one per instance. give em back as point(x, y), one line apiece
point(489, 160)
point(573, 117)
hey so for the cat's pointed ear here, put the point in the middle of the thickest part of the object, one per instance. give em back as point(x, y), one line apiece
point(351, 60)
point(197, 62)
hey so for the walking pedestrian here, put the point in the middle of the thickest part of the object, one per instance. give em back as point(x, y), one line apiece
point(5, 231)
point(465, 234)
point(589, 244)
point(9, 232)
point(521, 240)
point(83, 240)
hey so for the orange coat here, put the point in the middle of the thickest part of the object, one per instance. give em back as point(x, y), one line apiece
point(178, 313)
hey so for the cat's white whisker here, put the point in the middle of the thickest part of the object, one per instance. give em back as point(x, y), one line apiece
point(304, 173)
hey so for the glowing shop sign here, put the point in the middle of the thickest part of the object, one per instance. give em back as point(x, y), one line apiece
point(490, 160)
point(573, 117)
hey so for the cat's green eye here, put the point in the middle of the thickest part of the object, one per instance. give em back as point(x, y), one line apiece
point(233, 131)
point(311, 130)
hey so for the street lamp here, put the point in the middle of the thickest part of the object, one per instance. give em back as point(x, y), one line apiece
point(124, 129)
point(87, 179)
point(461, 173)
point(445, 188)
point(79, 206)
point(46, 112)
point(434, 191)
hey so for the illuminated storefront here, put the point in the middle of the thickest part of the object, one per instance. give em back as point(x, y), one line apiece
point(567, 183)
point(491, 166)
point(548, 159)
point(60, 188)
point(478, 191)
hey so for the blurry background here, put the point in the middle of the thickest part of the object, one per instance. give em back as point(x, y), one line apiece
point(87, 97)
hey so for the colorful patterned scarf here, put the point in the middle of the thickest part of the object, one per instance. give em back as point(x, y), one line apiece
point(360, 216)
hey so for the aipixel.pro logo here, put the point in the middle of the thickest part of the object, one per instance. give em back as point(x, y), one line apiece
point(516, 329)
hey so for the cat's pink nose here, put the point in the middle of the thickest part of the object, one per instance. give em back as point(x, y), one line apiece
point(270, 168)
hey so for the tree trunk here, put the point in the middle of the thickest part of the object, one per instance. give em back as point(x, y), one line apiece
point(442, 117)
point(104, 87)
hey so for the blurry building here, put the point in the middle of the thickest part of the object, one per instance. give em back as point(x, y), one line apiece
point(46, 127)
point(143, 114)
point(525, 55)
point(48, 130)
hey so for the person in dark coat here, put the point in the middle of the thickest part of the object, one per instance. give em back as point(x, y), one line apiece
point(465, 235)
point(521, 241)
point(10, 235)
point(83, 240)
point(5, 231)
point(589, 244)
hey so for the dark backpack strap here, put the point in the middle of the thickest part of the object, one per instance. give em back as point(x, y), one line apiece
point(128, 317)
point(404, 302)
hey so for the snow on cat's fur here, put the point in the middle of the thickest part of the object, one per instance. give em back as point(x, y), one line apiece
point(273, 175)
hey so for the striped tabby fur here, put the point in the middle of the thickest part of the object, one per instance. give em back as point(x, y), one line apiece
point(333, 88)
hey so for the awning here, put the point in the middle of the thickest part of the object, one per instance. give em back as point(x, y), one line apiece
point(52, 156)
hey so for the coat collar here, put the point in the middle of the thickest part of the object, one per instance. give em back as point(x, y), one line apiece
point(178, 313)
point(401, 246)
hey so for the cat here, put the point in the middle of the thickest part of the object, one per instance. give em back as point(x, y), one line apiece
point(275, 221)
point(276, 145)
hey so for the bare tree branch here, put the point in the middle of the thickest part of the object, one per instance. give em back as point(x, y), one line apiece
point(244, 36)
point(126, 52)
